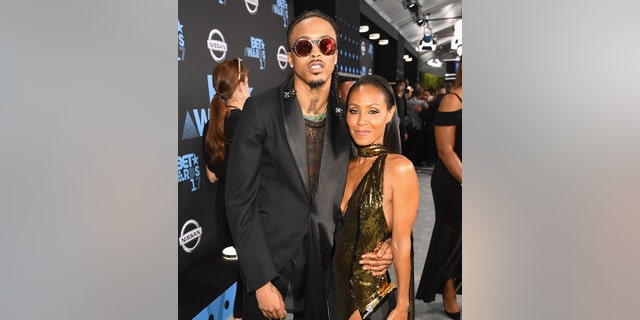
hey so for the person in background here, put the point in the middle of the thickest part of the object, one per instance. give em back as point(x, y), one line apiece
point(231, 82)
point(407, 90)
point(448, 86)
point(426, 95)
point(438, 93)
point(380, 199)
point(344, 84)
point(429, 142)
point(286, 176)
point(415, 109)
point(442, 271)
point(401, 109)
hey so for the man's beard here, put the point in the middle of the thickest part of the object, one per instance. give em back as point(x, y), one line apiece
point(316, 84)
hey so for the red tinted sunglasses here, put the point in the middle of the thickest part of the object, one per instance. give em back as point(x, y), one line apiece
point(302, 47)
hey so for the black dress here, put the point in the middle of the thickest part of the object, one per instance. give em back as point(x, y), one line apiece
point(221, 171)
point(221, 216)
point(444, 257)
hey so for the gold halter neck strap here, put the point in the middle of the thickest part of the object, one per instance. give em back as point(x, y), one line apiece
point(372, 150)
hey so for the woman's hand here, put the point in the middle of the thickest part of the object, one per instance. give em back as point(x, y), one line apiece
point(211, 176)
point(398, 314)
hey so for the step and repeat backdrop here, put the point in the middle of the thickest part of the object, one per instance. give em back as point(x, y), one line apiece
point(210, 32)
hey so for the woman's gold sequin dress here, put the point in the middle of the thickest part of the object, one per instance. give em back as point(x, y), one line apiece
point(361, 229)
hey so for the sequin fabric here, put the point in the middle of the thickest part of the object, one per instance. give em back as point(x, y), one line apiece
point(361, 229)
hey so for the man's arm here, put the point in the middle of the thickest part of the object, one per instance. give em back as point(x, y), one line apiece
point(242, 187)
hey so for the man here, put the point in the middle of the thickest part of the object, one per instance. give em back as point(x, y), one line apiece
point(415, 108)
point(344, 84)
point(432, 152)
point(282, 204)
point(398, 88)
point(429, 152)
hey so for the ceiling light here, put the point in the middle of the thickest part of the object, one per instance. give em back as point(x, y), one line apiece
point(457, 35)
point(364, 28)
point(409, 59)
point(383, 42)
point(436, 63)
point(374, 36)
point(405, 57)
point(411, 5)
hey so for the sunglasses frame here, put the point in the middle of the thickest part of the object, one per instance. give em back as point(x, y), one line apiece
point(315, 42)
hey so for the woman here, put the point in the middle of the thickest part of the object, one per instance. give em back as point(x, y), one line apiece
point(442, 271)
point(231, 82)
point(380, 201)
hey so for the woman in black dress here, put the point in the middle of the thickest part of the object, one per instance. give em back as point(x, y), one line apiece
point(231, 81)
point(443, 267)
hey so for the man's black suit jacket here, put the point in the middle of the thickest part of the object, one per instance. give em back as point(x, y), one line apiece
point(267, 193)
point(401, 107)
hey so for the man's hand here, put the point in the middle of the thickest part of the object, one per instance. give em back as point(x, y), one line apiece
point(270, 302)
point(379, 261)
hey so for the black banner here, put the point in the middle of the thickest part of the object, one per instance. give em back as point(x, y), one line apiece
point(210, 32)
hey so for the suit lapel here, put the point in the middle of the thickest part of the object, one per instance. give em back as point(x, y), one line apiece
point(333, 174)
point(335, 144)
point(335, 157)
point(297, 139)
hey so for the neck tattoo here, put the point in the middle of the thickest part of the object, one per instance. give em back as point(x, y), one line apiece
point(315, 108)
point(314, 113)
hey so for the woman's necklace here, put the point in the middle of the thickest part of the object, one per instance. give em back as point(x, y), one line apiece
point(372, 150)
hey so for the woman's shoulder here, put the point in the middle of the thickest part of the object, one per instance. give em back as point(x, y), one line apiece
point(399, 164)
point(451, 102)
point(399, 173)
